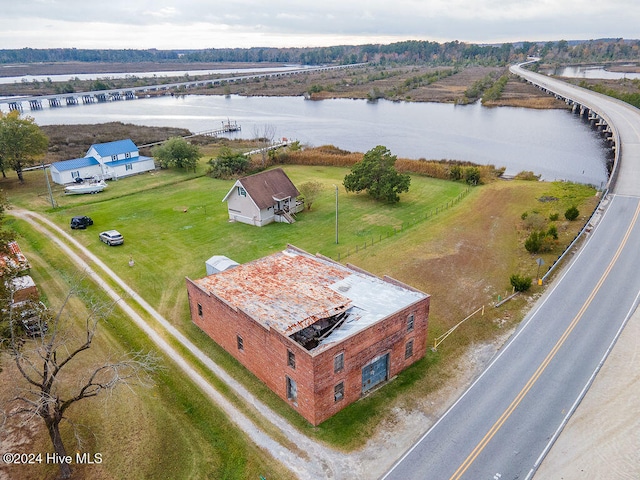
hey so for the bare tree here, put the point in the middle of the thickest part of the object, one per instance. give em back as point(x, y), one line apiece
point(43, 359)
point(264, 135)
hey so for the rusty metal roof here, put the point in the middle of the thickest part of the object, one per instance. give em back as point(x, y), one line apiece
point(14, 258)
point(292, 289)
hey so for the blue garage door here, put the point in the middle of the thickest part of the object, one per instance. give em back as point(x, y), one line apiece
point(374, 373)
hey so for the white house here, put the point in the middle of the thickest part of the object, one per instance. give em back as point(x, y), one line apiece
point(265, 197)
point(110, 160)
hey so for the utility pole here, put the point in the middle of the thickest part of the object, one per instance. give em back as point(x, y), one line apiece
point(46, 177)
point(336, 214)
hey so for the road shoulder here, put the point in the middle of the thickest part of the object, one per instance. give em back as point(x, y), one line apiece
point(602, 438)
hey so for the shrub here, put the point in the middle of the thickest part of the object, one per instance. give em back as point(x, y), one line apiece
point(528, 175)
point(533, 243)
point(227, 164)
point(295, 146)
point(520, 283)
point(472, 175)
point(553, 232)
point(455, 172)
point(572, 213)
point(554, 217)
point(310, 191)
point(177, 152)
point(546, 243)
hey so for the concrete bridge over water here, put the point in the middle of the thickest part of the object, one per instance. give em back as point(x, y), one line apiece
point(130, 93)
point(585, 108)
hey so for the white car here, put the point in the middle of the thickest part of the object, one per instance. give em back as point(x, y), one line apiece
point(111, 237)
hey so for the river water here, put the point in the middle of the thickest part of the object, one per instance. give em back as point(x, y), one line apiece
point(591, 72)
point(552, 143)
point(7, 78)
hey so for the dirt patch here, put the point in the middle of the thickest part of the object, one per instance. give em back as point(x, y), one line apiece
point(451, 89)
point(518, 93)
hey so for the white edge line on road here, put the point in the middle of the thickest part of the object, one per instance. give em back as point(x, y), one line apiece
point(583, 393)
point(519, 331)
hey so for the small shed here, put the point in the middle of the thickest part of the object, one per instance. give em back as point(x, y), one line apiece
point(24, 288)
point(219, 263)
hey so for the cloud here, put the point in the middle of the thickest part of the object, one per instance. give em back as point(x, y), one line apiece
point(163, 13)
point(240, 23)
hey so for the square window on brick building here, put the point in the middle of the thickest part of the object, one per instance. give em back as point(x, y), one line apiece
point(199, 310)
point(338, 362)
point(338, 392)
point(240, 342)
point(410, 320)
point(291, 359)
point(408, 349)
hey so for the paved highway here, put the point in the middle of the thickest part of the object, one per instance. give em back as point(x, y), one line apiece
point(504, 424)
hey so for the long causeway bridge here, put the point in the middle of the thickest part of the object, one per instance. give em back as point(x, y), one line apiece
point(130, 93)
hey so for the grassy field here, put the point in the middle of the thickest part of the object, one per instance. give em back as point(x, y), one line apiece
point(169, 430)
point(173, 222)
point(463, 257)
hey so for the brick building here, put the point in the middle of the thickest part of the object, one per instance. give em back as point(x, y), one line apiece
point(318, 333)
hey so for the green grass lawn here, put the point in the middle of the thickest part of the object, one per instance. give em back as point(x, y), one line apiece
point(171, 230)
point(168, 430)
point(174, 221)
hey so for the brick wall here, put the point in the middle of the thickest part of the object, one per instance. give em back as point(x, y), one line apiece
point(388, 336)
point(265, 352)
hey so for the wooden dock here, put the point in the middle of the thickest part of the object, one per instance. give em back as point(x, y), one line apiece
point(274, 146)
point(227, 127)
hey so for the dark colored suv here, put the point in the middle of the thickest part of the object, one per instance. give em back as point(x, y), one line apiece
point(81, 222)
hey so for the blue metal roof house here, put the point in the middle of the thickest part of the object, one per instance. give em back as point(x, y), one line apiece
point(105, 161)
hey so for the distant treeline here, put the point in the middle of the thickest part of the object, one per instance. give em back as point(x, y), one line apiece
point(401, 52)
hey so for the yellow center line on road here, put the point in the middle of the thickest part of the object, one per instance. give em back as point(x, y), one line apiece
point(507, 413)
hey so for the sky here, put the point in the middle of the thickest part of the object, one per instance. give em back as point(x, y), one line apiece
point(198, 24)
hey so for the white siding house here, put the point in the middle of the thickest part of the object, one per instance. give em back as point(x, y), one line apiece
point(263, 198)
point(110, 160)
